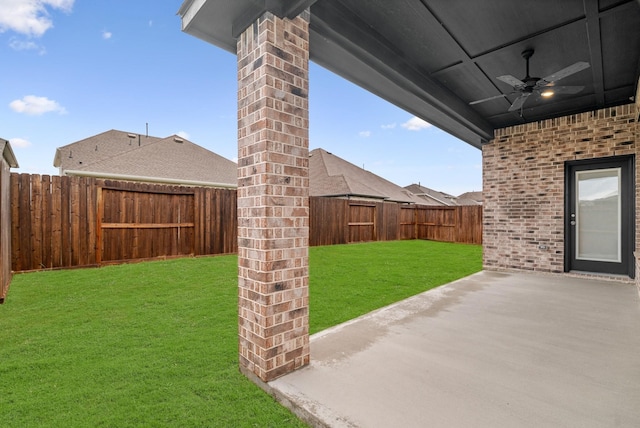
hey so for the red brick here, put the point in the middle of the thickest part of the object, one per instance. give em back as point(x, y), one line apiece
point(523, 183)
point(273, 207)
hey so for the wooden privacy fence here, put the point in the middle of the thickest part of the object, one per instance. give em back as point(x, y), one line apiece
point(62, 222)
point(341, 221)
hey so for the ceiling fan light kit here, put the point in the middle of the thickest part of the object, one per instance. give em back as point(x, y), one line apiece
point(544, 86)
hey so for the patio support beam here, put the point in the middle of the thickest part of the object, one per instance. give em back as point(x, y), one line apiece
point(273, 195)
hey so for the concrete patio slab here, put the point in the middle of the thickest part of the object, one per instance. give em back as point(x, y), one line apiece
point(490, 350)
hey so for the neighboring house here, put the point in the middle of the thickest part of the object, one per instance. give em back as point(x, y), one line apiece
point(430, 196)
point(128, 156)
point(433, 197)
point(470, 198)
point(332, 176)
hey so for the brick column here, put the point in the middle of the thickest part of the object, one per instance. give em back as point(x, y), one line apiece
point(273, 196)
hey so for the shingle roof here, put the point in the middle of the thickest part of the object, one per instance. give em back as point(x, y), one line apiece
point(432, 197)
point(78, 155)
point(330, 175)
point(470, 198)
point(176, 158)
point(441, 198)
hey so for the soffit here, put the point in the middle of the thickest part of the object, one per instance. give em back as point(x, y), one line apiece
point(432, 58)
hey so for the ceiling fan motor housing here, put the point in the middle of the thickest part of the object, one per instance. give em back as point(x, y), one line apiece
point(530, 82)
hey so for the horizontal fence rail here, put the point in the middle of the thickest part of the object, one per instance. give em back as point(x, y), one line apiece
point(64, 222)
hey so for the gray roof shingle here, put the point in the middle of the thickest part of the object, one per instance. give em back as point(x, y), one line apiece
point(470, 198)
point(175, 158)
point(330, 175)
point(432, 197)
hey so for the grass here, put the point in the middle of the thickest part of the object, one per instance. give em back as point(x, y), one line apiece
point(347, 281)
point(155, 343)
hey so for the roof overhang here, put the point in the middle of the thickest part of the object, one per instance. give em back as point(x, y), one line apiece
point(432, 58)
point(7, 154)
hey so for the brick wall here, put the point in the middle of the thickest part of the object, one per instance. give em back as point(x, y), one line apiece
point(273, 202)
point(523, 183)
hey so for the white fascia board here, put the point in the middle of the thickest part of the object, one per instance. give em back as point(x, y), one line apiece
point(8, 155)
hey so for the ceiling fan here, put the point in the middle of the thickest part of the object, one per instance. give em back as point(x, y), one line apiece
point(535, 85)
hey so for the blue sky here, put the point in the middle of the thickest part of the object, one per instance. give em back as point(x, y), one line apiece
point(75, 68)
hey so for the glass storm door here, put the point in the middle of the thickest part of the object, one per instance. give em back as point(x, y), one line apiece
point(600, 227)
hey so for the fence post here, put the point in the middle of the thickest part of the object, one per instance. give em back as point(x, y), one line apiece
point(7, 161)
point(99, 216)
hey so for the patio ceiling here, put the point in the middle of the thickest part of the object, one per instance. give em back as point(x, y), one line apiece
point(432, 58)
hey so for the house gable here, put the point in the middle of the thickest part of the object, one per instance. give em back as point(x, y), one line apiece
point(430, 196)
point(333, 176)
point(117, 154)
point(76, 156)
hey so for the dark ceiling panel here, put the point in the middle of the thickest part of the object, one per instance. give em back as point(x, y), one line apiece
point(481, 26)
point(619, 95)
point(607, 4)
point(465, 80)
point(409, 25)
point(619, 72)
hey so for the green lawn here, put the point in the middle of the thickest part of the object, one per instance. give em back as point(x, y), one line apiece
point(347, 281)
point(155, 343)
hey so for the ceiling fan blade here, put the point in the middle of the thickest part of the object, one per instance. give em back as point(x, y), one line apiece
point(513, 81)
point(519, 102)
point(565, 89)
point(487, 99)
point(568, 71)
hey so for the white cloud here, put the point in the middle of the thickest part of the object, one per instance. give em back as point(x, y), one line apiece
point(388, 126)
point(20, 143)
point(30, 17)
point(184, 135)
point(365, 134)
point(35, 106)
point(106, 35)
point(416, 124)
point(22, 45)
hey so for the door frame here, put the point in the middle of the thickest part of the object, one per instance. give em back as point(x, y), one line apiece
point(628, 213)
